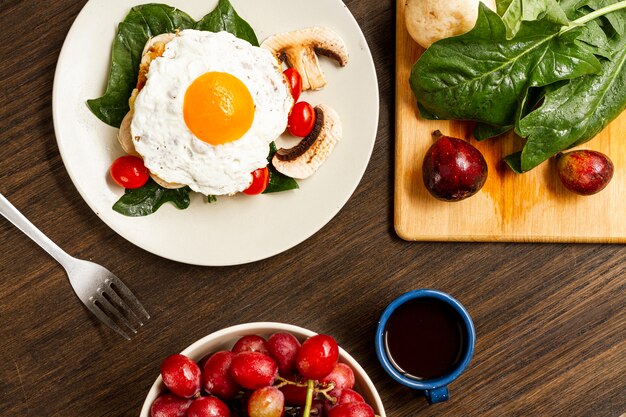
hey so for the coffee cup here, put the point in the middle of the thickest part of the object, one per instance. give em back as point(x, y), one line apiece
point(425, 340)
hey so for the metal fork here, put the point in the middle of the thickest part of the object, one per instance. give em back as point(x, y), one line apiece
point(102, 292)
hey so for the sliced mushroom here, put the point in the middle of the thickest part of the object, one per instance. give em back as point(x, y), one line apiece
point(125, 137)
point(153, 49)
point(165, 184)
point(306, 157)
point(299, 49)
point(153, 43)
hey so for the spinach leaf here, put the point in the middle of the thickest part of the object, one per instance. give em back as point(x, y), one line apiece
point(576, 112)
point(616, 19)
point(141, 23)
point(224, 17)
point(147, 199)
point(513, 12)
point(514, 161)
point(483, 131)
point(425, 114)
point(483, 76)
point(593, 35)
point(159, 18)
point(278, 182)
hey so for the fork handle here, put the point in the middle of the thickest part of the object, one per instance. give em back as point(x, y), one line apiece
point(14, 216)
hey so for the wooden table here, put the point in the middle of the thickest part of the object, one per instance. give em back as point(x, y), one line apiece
point(551, 319)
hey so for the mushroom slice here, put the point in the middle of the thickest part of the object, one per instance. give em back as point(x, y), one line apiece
point(124, 136)
point(157, 43)
point(165, 184)
point(299, 49)
point(153, 49)
point(305, 158)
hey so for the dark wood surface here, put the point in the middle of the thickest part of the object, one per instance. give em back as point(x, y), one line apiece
point(550, 319)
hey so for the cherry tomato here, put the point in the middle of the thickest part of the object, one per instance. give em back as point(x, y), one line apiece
point(301, 119)
point(260, 179)
point(295, 82)
point(129, 172)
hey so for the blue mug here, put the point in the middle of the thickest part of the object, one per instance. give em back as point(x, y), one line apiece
point(435, 390)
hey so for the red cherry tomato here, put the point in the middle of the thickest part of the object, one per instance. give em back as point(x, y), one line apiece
point(129, 172)
point(301, 119)
point(260, 179)
point(295, 82)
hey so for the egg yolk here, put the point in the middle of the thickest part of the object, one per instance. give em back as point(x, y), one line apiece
point(218, 108)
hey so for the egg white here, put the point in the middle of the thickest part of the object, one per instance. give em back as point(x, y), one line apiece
point(164, 141)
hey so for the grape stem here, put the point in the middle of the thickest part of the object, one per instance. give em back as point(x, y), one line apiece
point(325, 392)
point(310, 386)
point(284, 382)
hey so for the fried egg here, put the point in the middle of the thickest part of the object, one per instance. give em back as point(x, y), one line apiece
point(211, 105)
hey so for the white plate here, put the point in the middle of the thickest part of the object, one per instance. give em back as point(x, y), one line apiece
point(238, 229)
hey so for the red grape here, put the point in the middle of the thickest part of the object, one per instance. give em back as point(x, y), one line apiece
point(352, 410)
point(203, 360)
point(266, 402)
point(181, 375)
point(295, 396)
point(251, 343)
point(208, 407)
point(169, 405)
point(317, 356)
point(283, 348)
point(347, 396)
point(253, 370)
point(216, 378)
point(341, 375)
point(342, 396)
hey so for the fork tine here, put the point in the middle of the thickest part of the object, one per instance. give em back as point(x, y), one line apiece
point(110, 308)
point(125, 292)
point(121, 304)
point(91, 305)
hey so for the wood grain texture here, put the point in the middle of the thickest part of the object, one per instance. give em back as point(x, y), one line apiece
point(533, 207)
point(550, 318)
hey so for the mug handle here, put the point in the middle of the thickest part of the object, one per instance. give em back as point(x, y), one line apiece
point(436, 395)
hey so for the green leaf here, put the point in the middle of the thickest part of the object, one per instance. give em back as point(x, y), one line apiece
point(576, 112)
point(513, 12)
point(224, 17)
point(483, 76)
point(483, 131)
point(141, 23)
point(593, 35)
point(159, 18)
point(147, 199)
point(211, 199)
point(514, 161)
point(425, 114)
point(278, 182)
point(616, 19)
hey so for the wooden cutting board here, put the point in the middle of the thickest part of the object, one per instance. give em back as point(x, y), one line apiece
point(532, 207)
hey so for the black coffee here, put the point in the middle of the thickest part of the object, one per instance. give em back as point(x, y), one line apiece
point(425, 338)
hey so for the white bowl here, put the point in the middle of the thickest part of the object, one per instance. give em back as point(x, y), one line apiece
point(225, 339)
